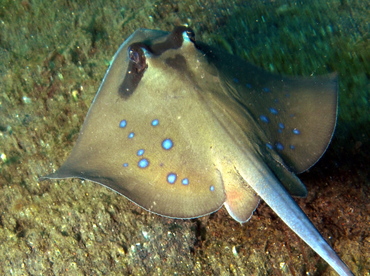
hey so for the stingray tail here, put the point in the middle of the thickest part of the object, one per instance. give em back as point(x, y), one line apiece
point(277, 197)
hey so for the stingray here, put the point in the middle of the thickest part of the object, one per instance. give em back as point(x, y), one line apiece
point(181, 129)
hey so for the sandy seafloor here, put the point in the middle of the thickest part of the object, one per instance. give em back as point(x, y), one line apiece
point(53, 55)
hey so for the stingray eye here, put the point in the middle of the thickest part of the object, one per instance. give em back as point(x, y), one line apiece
point(137, 56)
point(134, 56)
point(191, 35)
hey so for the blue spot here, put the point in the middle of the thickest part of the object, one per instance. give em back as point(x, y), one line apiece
point(280, 130)
point(276, 100)
point(185, 181)
point(292, 147)
point(131, 135)
point(265, 89)
point(287, 95)
point(167, 144)
point(296, 131)
point(155, 122)
point(125, 164)
point(264, 119)
point(269, 146)
point(123, 124)
point(143, 163)
point(140, 152)
point(279, 146)
point(212, 188)
point(171, 178)
point(273, 110)
point(248, 85)
point(235, 80)
point(281, 125)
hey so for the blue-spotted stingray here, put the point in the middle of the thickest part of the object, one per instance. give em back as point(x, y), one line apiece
point(181, 129)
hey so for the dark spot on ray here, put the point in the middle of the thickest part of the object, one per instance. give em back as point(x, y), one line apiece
point(178, 63)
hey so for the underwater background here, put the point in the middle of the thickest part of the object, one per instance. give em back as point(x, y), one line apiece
point(53, 56)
